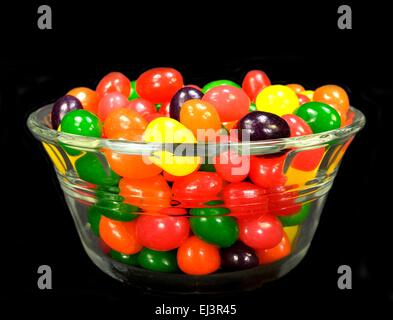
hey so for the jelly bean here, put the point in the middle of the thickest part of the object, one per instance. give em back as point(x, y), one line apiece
point(130, 259)
point(297, 218)
point(133, 94)
point(277, 99)
point(291, 232)
point(160, 261)
point(230, 165)
point(212, 227)
point(308, 93)
point(142, 106)
point(164, 109)
point(109, 103)
point(200, 115)
point(238, 257)
point(162, 233)
point(245, 198)
point(217, 83)
point(334, 96)
point(151, 116)
point(115, 210)
point(253, 107)
point(93, 168)
point(80, 122)
point(263, 232)
point(254, 82)
point(276, 253)
point(299, 178)
point(297, 88)
point(114, 82)
point(170, 131)
point(121, 120)
point(119, 236)
point(302, 99)
point(231, 103)
point(196, 257)
point(197, 188)
point(181, 96)
point(304, 160)
point(282, 202)
point(258, 125)
point(173, 211)
point(208, 167)
point(130, 166)
point(61, 107)
point(87, 97)
point(319, 116)
point(267, 171)
point(150, 194)
point(108, 193)
point(93, 218)
point(159, 84)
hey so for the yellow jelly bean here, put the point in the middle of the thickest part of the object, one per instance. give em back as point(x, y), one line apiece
point(277, 99)
point(291, 232)
point(57, 158)
point(308, 93)
point(299, 177)
point(168, 130)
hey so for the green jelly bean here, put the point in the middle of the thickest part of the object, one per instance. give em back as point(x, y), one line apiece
point(211, 226)
point(115, 210)
point(217, 211)
point(319, 116)
point(94, 170)
point(130, 259)
point(161, 261)
point(94, 217)
point(109, 193)
point(133, 93)
point(253, 107)
point(217, 83)
point(158, 106)
point(80, 122)
point(296, 218)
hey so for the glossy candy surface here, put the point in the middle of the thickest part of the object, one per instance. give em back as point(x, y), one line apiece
point(61, 107)
point(230, 102)
point(114, 82)
point(142, 106)
point(109, 103)
point(334, 96)
point(267, 171)
point(197, 257)
point(254, 82)
point(258, 125)
point(87, 97)
point(278, 252)
point(319, 116)
point(277, 99)
point(238, 257)
point(123, 120)
point(181, 96)
point(217, 83)
point(159, 84)
point(160, 261)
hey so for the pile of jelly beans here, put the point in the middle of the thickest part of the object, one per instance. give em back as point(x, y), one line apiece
point(182, 213)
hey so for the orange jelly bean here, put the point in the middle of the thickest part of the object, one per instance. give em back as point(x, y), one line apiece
point(296, 87)
point(120, 236)
point(198, 114)
point(121, 120)
point(150, 194)
point(278, 252)
point(334, 96)
point(197, 257)
point(87, 97)
point(130, 166)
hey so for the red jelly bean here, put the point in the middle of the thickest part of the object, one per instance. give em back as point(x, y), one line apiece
point(109, 103)
point(276, 253)
point(282, 202)
point(142, 106)
point(263, 232)
point(114, 82)
point(254, 82)
point(267, 171)
point(162, 233)
point(197, 257)
point(158, 85)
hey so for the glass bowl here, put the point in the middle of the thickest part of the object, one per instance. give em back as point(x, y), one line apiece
point(305, 166)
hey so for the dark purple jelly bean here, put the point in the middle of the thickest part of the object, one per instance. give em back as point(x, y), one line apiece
point(181, 96)
point(238, 257)
point(61, 107)
point(261, 125)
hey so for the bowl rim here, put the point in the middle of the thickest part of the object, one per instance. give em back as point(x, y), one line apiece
point(36, 124)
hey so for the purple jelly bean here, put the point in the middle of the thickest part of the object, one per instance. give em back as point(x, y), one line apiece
point(238, 257)
point(181, 96)
point(61, 107)
point(261, 125)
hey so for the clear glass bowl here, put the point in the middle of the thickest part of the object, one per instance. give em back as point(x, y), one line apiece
point(306, 187)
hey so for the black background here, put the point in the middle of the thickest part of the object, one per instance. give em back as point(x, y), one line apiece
point(290, 42)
